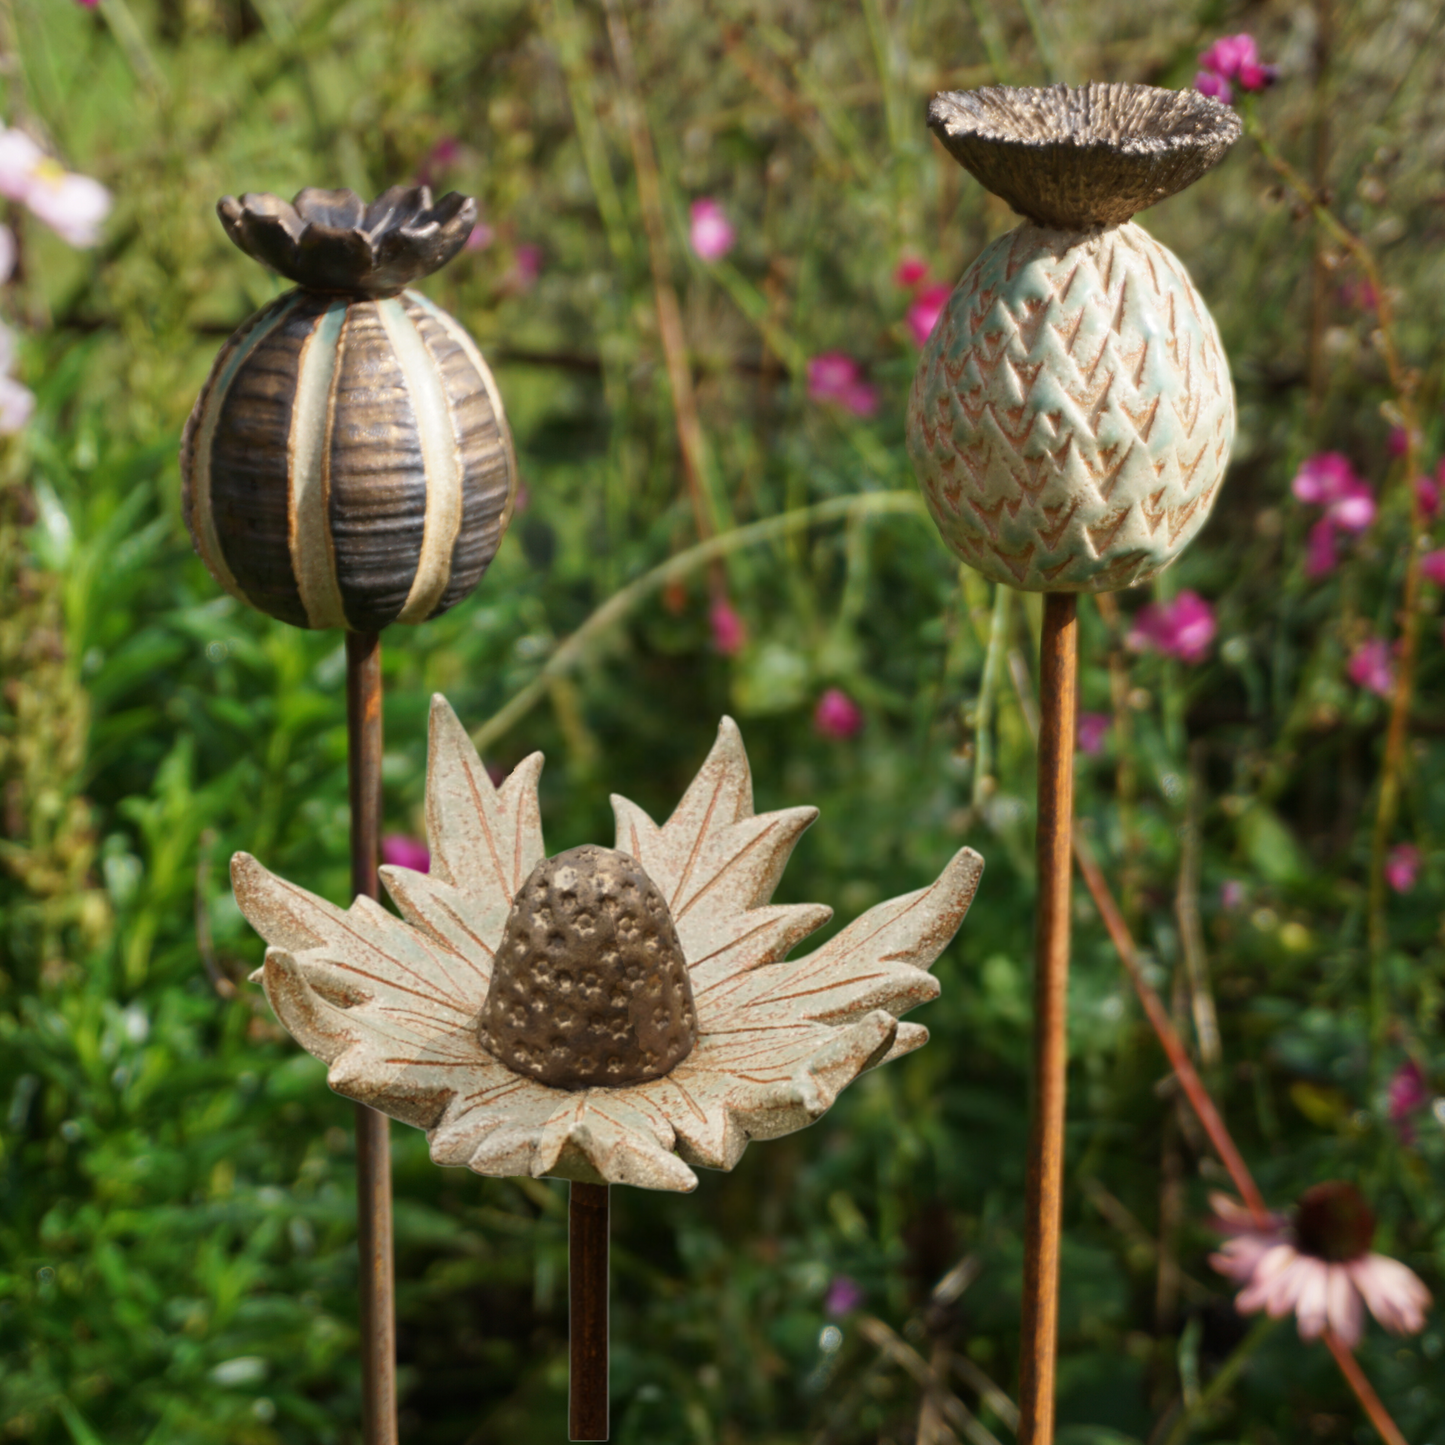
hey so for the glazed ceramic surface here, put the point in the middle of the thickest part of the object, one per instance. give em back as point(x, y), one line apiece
point(1072, 414)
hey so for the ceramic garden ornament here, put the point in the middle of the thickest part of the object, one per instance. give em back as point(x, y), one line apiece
point(618, 1015)
point(348, 463)
point(1072, 414)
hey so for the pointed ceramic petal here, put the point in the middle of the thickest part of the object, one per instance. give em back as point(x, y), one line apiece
point(695, 1108)
point(495, 1099)
point(909, 1037)
point(364, 953)
point(753, 939)
point(878, 961)
point(449, 918)
point(484, 840)
point(621, 1145)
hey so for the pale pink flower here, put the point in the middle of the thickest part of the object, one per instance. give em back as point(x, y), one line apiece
point(19, 158)
point(403, 852)
point(1328, 480)
point(72, 206)
point(1402, 867)
point(711, 234)
point(837, 715)
point(479, 237)
point(836, 377)
point(1370, 667)
point(910, 272)
point(729, 631)
point(926, 309)
point(843, 1297)
point(17, 403)
point(1231, 894)
point(1183, 628)
point(1409, 1093)
point(1093, 729)
point(1318, 1266)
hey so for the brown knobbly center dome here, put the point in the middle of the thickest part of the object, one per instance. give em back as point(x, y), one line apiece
point(1076, 157)
point(1333, 1222)
point(590, 986)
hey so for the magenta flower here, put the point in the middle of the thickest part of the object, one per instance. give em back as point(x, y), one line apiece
point(480, 237)
point(1183, 628)
point(1432, 567)
point(729, 631)
point(403, 852)
point(711, 235)
point(1398, 442)
point(1232, 60)
point(843, 1297)
point(1093, 729)
point(835, 377)
point(926, 309)
point(1402, 867)
point(1427, 492)
point(837, 715)
point(1328, 480)
point(910, 272)
point(1370, 667)
point(1409, 1093)
point(1359, 294)
point(1320, 555)
point(1318, 1266)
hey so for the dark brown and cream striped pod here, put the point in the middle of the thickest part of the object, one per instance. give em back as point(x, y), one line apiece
point(348, 463)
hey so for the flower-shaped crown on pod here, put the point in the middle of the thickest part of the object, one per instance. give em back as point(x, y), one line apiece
point(333, 241)
point(607, 1015)
point(1076, 157)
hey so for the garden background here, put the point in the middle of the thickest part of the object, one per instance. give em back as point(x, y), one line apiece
point(177, 1259)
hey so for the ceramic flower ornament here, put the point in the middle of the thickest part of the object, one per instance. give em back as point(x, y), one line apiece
point(606, 1015)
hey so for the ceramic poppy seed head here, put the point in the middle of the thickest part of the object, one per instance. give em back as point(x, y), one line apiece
point(1073, 157)
point(333, 241)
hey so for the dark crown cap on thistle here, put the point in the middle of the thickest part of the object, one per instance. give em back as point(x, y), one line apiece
point(333, 241)
point(1076, 157)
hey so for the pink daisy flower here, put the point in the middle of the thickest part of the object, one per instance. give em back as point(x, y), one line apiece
point(1318, 1266)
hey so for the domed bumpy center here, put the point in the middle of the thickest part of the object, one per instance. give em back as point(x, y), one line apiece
point(590, 986)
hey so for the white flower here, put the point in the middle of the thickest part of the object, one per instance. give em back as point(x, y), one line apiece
point(399, 1009)
point(72, 206)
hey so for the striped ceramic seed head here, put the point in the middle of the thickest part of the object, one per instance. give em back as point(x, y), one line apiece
point(1072, 414)
point(348, 462)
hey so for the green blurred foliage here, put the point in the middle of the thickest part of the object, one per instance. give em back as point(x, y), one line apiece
point(177, 1258)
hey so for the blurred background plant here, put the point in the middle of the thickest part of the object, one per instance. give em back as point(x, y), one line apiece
point(712, 240)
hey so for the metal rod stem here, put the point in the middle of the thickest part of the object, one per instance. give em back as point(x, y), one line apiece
point(1058, 704)
point(373, 1143)
point(587, 1245)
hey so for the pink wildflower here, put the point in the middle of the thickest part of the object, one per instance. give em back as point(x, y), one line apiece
point(1093, 729)
point(1318, 1265)
point(843, 1297)
point(836, 377)
point(910, 272)
point(1427, 493)
point(1402, 867)
point(1320, 555)
point(1398, 442)
point(480, 237)
point(712, 236)
point(19, 157)
point(1409, 1093)
point(729, 631)
point(403, 852)
point(1232, 60)
point(926, 309)
point(1432, 567)
point(1328, 480)
point(8, 253)
point(1359, 294)
point(17, 403)
point(1183, 628)
point(1370, 667)
point(837, 715)
point(525, 268)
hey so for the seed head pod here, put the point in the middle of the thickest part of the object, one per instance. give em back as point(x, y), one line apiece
point(348, 463)
point(1072, 414)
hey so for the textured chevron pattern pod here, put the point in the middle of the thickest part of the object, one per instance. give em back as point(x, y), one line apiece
point(348, 463)
point(1072, 414)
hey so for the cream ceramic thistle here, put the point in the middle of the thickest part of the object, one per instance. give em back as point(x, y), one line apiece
point(1072, 414)
point(606, 1015)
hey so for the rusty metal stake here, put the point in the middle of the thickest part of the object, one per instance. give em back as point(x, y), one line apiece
point(587, 1245)
point(373, 1143)
point(1058, 706)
